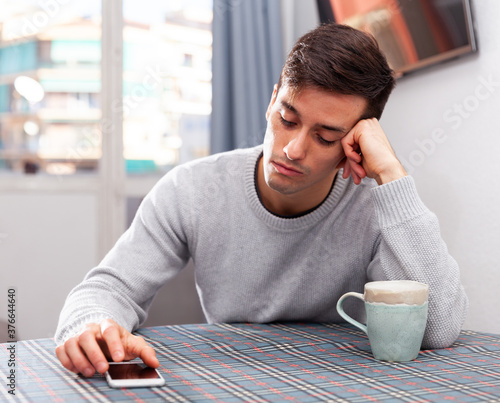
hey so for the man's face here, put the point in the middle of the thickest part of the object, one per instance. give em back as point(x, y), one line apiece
point(302, 149)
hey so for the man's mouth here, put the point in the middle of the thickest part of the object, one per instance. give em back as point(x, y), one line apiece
point(286, 169)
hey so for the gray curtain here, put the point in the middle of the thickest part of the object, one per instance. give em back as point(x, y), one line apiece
point(247, 60)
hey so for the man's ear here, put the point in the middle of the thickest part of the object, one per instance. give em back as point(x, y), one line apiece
point(272, 101)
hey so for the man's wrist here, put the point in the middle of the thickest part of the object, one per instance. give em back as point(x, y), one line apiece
point(393, 174)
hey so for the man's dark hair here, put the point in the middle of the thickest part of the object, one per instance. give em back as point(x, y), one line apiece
point(340, 59)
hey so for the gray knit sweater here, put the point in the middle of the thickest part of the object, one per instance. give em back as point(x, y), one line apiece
point(252, 265)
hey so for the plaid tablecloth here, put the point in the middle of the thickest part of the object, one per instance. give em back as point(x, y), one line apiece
point(270, 363)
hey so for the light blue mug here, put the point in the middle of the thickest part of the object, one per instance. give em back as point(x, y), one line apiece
point(396, 317)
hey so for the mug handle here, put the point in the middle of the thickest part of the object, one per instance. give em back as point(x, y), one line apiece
point(341, 312)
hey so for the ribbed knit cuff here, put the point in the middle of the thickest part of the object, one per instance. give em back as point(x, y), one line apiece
point(74, 328)
point(397, 201)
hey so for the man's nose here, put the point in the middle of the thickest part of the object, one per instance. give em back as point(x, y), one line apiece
point(296, 148)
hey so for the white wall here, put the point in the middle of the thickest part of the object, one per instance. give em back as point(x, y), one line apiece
point(298, 17)
point(48, 243)
point(457, 175)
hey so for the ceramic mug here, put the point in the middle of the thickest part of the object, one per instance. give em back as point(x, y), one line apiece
point(396, 317)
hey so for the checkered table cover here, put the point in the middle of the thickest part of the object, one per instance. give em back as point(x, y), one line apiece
point(271, 363)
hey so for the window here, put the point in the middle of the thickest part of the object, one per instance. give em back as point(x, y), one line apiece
point(50, 62)
point(166, 83)
point(51, 90)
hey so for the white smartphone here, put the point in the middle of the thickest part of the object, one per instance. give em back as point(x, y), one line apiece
point(132, 375)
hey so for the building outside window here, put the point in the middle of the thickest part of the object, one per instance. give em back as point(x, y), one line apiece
point(50, 85)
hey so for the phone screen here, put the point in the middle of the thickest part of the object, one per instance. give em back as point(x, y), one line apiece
point(132, 371)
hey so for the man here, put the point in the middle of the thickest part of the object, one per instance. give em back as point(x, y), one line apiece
point(280, 231)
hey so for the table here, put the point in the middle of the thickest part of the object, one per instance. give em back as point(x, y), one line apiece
point(270, 363)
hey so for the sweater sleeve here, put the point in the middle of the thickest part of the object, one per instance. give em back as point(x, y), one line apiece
point(411, 248)
point(153, 250)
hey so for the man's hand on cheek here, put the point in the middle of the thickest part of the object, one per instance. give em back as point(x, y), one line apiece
point(369, 153)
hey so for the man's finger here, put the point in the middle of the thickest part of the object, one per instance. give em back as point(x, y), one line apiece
point(347, 169)
point(65, 360)
point(138, 347)
point(351, 147)
point(355, 177)
point(358, 169)
point(148, 356)
point(111, 333)
point(78, 358)
point(92, 350)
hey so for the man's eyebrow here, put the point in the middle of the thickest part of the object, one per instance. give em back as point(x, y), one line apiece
point(291, 108)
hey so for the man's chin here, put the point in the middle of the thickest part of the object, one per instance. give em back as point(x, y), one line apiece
point(280, 186)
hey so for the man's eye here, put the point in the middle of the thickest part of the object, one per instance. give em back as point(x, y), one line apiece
point(286, 123)
point(326, 142)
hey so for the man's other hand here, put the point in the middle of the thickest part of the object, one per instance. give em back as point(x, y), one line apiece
point(91, 349)
point(369, 153)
